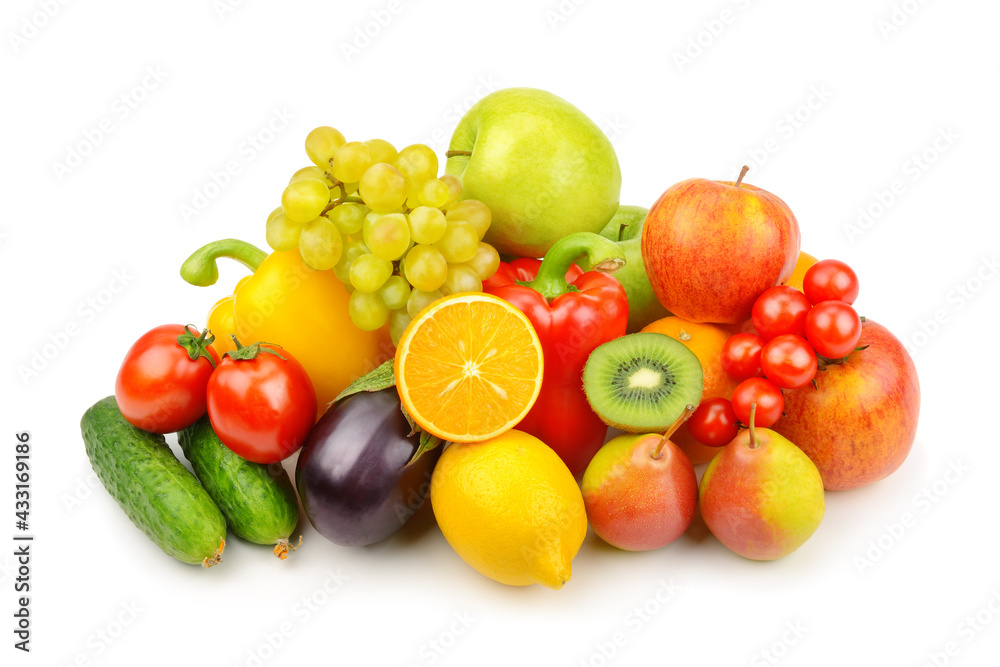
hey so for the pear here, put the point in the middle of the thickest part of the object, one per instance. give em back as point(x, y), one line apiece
point(762, 496)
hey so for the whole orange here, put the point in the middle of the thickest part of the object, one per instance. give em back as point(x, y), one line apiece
point(798, 273)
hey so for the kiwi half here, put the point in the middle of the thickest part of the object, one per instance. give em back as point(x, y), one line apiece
point(642, 382)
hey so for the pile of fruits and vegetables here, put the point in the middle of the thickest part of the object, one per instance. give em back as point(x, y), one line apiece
point(492, 322)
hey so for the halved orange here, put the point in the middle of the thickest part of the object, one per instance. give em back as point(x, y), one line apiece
point(468, 367)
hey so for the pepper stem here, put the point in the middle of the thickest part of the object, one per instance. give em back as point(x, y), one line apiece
point(603, 254)
point(200, 268)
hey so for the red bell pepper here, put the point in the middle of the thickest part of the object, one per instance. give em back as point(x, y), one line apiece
point(573, 312)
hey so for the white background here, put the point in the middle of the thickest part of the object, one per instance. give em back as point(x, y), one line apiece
point(879, 99)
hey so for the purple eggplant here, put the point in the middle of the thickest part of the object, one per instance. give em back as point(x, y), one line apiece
point(352, 474)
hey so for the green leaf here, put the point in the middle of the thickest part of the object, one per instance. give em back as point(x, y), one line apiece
point(414, 429)
point(427, 443)
point(379, 379)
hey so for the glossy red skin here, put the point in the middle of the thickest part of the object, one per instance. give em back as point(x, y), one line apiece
point(830, 280)
point(711, 248)
point(263, 408)
point(714, 423)
point(858, 426)
point(780, 310)
point(765, 394)
point(159, 388)
point(569, 328)
point(789, 361)
point(833, 328)
point(740, 356)
point(649, 503)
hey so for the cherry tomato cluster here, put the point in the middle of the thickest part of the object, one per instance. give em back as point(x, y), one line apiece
point(792, 328)
point(259, 399)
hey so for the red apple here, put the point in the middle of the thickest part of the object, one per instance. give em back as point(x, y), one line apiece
point(640, 492)
point(711, 247)
point(859, 423)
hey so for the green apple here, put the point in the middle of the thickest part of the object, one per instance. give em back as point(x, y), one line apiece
point(625, 228)
point(542, 166)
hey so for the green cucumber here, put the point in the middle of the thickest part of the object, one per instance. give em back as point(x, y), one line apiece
point(161, 497)
point(258, 500)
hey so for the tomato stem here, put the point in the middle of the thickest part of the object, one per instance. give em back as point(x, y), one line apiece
point(197, 348)
point(247, 352)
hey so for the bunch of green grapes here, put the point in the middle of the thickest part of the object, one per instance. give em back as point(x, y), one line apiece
point(391, 230)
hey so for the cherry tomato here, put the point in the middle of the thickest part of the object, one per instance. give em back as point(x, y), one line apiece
point(830, 280)
point(765, 394)
point(780, 310)
point(162, 381)
point(740, 355)
point(788, 361)
point(714, 423)
point(261, 403)
point(833, 328)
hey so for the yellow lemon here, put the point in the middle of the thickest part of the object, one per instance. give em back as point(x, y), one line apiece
point(510, 508)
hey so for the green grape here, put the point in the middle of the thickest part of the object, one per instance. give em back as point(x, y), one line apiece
point(382, 150)
point(395, 292)
point(351, 161)
point(461, 278)
point(417, 163)
point(459, 242)
point(367, 310)
point(369, 222)
point(389, 236)
point(454, 189)
point(474, 212)
point(419, 300)
point(274, 214)
point(425, 267)
point(368, 273)
point(310, 172)
point(350, 188)
point(398, 321)
point(434, 193)
point(320, 244)
point(348, 217)
point(383, 188)
point(305, 200)
point(352, 250)
point(485, 262)
point(321, 144)
point(427, 224)
point(282, 233)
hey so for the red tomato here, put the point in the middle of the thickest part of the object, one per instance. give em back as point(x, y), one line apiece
point(714, 423)
point(767, 396)
point(780, 310)
point(740, 356)
point(830, 280)
point(789, 361)
point(833, 328)
point(261, 405)
point(162, 381)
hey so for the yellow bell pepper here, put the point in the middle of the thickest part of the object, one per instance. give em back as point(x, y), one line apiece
point(287, 303)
